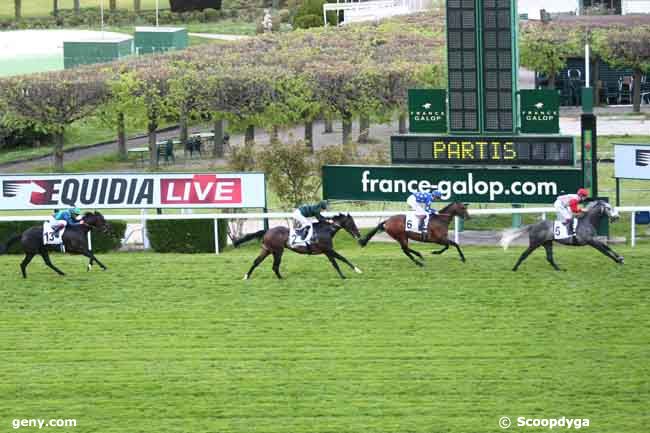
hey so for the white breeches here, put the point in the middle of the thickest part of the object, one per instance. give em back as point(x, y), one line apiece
point(57, 223)
point(299, 219)
point(418, 208)
point(563, 212)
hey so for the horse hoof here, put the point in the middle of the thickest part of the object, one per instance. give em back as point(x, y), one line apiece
point(245, 277)
point(621, 260)
point(89, 268)
point(357, 270)
point(420, 264)
point(514, 269)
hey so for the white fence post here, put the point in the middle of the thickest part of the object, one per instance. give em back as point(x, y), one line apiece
point(216, 236)
point(90, 241)
point(456, 233)
point(544, 216)
point(632, 230)
point(143, 221)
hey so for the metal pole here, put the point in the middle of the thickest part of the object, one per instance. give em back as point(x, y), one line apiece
point(618, 192)
point(157, 8)
point(587, 65)
point(216, 236)
point(632, 230)
point(456, 232)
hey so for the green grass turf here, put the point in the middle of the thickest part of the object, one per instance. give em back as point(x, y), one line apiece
point(178, 343)
point(44, 7)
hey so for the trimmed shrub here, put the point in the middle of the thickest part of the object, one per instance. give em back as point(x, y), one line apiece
point(194, 5)
point(185, 236)
point(102, 243)
point(212, 14)
point(307, 21)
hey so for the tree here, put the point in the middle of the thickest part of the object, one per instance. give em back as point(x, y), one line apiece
point(137, 6)
point(186, 94)
point(77, 7)
point(628, 48)
point(55, 8)
point(54, 101)
point(18, 8)
point(121, 108)
point(545, 48)
point(152, 90)
point(112, 5)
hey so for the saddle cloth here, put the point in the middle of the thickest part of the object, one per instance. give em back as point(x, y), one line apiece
point(295, 239)
point(560, 230)
point(51, 238)
point(413, 222)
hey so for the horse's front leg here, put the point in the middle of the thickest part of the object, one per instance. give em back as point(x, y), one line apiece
point(346, 261)
point(606, 251)
point(332, 260)
point(619, 257)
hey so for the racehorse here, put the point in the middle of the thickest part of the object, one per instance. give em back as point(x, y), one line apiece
point(437, 231)
point(541, 234)
point(75, 240)
point(276, 240)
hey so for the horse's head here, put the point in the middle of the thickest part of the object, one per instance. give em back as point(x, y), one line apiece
point(603, 208)
point(457, 209)
point(347, 223)
point(96, 220)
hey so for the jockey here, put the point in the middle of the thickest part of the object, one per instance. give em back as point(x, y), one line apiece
point(300, 217)
point(420, 203)
point(567, 206)
point(66, 217)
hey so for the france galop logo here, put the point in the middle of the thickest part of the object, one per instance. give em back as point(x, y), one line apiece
point(539, 105)
point(427, 105)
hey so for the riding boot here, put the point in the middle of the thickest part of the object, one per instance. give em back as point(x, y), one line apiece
point(569, 228)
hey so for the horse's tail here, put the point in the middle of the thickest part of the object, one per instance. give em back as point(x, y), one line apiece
point(249, 237)
point(364, 240)
point(12, 240)
point(512, 234)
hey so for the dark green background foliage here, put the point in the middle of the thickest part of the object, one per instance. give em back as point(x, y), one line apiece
point(310, 14)
point(185, 236)
point(193, 5)
point(101, 242)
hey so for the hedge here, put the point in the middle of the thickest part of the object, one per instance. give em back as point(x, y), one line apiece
point(185, 236)
point(102, 243)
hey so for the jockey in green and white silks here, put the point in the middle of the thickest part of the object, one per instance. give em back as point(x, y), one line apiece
point(302, 224)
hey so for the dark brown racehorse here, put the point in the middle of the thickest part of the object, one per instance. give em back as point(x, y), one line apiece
point(276, 240)
point(437, 231)
point(75, 240)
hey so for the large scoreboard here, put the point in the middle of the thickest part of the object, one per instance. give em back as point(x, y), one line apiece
point(482, 82)
point(485, 150)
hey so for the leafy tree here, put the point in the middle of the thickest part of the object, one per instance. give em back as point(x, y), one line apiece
point(186, 94)
point(545, 48)
point(121, 110)
point(54, 101)
point(628, 48)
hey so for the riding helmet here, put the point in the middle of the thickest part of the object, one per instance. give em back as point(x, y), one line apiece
point(323, 204)
point(583, 192)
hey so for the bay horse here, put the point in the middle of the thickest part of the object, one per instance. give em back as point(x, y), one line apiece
point(75, 240)
point(437, 231)
point(275, 240)
point(541, 234)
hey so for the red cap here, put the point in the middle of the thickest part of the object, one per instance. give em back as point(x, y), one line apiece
point(583, 192)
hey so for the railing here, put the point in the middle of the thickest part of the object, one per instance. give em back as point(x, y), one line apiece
point(144, 217)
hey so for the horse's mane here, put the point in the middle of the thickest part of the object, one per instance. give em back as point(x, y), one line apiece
point(447, 207)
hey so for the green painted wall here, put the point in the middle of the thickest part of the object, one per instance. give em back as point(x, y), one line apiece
point(90, 52)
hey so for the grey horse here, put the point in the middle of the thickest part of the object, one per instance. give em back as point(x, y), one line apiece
point(541, 234)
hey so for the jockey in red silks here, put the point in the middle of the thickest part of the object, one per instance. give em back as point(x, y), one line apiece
point(567, 206)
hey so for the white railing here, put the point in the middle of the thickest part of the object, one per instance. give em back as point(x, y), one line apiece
point(144, 217)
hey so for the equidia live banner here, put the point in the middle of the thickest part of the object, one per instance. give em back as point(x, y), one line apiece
point(479, 185)
point(123, 190)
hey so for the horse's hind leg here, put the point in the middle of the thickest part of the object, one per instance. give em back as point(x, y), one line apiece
point(445, 248)
point(264, 254)
point(460, 252)
point(524, 255)
point(407, 251)
point(332, 260)
point(23, 265)
point(548, 246)
point(48, 262)
point(92, 258)
point(277, 259)
point(346, 261)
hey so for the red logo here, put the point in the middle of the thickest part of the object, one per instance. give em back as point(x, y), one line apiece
point(201, 189)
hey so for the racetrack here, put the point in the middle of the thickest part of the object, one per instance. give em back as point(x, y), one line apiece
point(178, 343)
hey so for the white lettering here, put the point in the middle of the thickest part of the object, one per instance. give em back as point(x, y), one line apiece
point(224, 191)
point(202, 194)
point(170, 193)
